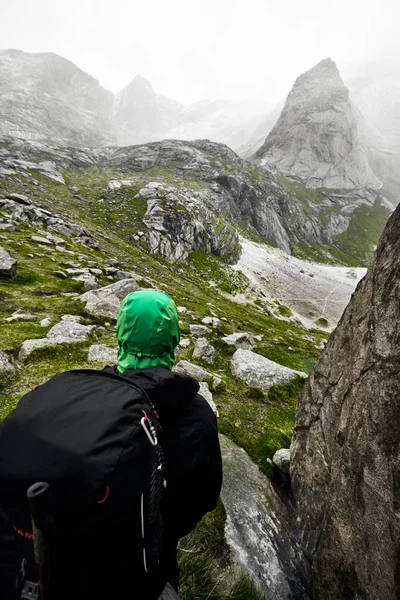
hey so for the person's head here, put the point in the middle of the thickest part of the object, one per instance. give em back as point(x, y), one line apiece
point(147, 331)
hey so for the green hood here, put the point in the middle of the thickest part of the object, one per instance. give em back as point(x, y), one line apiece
point(147, 331)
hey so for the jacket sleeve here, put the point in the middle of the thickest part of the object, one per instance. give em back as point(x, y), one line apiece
point(194, 478)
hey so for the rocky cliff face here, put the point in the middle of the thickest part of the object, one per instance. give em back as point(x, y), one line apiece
point(205, 193)
point(316, 139)
point(46, 97)
point(345, 453)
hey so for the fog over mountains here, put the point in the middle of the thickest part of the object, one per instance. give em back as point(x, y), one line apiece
point(44, 97)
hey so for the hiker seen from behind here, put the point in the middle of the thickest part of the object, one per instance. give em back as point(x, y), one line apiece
point(130, 462)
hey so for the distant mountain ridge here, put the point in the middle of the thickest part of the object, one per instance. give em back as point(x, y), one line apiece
point(140, 113)
point(46, 98)
point(320, 138)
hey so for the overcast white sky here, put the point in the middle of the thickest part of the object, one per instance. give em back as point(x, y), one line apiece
point(195, 49)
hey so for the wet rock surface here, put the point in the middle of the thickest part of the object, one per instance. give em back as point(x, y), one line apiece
point(345, 464)
point(260, 528)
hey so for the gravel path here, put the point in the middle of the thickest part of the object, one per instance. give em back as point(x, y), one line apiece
point(309, 289)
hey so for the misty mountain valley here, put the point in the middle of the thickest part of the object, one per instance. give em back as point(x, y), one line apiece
point(274, 225)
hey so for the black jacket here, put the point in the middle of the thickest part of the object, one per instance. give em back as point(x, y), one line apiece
point(192, 454)
point(189, 440)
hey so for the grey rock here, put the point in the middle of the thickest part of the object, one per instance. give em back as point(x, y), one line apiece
point(60, 274)
point(60, 228)
point(90, 243)
point(281, 459)
point(204, 351)
point(187, 368)
point(76, 272)
point(72, 318)
point(45, 322)
point(182, 310)
point(105, 301)
point(114, 184)
point(185, 343)
point(240, 340)
point(102, 353)
point(207, 395)
point(65, 332)
point(199, 330)
point(8, 265)
point(259, 528)
point(213, 321)
point(5, 364)
point(113, 262)
point(7, 226)
point(63, 249)
point(90, 283)
point(345, 465)
point(69, 331)
point(258, 371)
point(20, 316)
point(41, 240)
point(123, 275)
point(20, 198)
point(28, 346)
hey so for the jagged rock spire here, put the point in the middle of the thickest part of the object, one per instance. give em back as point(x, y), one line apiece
point(316, 139)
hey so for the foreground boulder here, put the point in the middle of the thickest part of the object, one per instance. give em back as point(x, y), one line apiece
point(105, 301)
point(258, 371)
point(260, 528)
point(68, 331)
point(8, 265)
point(345, 460)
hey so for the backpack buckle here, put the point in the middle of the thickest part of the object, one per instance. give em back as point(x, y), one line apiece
point(31, 591)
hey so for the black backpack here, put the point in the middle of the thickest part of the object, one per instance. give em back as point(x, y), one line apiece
point(92, 437)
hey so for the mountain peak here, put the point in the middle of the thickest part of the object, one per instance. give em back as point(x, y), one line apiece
point(315, 139)
point(138, 85)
